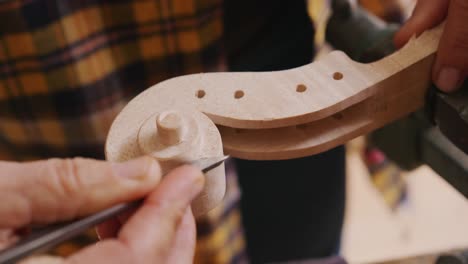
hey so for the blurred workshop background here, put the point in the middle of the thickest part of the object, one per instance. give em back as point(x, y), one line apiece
point(394, 215)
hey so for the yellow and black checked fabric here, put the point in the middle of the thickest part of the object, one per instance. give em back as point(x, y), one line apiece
point(68, 67)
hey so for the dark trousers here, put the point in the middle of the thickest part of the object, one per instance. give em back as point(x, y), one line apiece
point(291, 209)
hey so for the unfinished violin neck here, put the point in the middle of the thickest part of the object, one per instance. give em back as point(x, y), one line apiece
point(272, 115)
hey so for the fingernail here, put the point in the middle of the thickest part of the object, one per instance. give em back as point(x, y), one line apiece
point(138, 169)
point(449, 79)
point(196, 180)
point(198, 184)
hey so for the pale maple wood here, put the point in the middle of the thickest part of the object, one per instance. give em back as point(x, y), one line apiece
point(173, 137)
point(171, 128)
point(402, 91)
point(272, 115)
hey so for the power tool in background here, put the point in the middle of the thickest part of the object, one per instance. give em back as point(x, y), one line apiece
point(436, 135)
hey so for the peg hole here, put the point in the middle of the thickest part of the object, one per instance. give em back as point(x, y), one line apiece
point(337, 76)
point(338, 116)
point(239, 94)
point(301, 126)
point(200, 94)
point(301, 88)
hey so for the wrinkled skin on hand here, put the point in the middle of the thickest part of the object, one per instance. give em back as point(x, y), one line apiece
point(161, 231)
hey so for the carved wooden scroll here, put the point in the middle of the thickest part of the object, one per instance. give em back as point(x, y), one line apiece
point(271, 115)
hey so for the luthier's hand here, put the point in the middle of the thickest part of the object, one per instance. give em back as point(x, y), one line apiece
point(451, 66)
point(161, 231)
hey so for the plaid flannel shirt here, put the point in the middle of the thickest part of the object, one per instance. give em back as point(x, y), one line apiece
point(68, 67)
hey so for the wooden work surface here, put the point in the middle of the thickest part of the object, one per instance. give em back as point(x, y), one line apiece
point(433, 221)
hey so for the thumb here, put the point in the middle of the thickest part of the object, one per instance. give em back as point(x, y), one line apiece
point(60, 189)
point(427, 14)
point(451, 66)
point(162, 227)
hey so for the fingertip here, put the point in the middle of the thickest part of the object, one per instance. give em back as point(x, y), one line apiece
point(409, 30)
point(139, 169)
point(451, 66)
point(401, 38)
point(191, 173)
point(412, 28)
point(448, 79)
point(426, 15)
point(154, 168)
